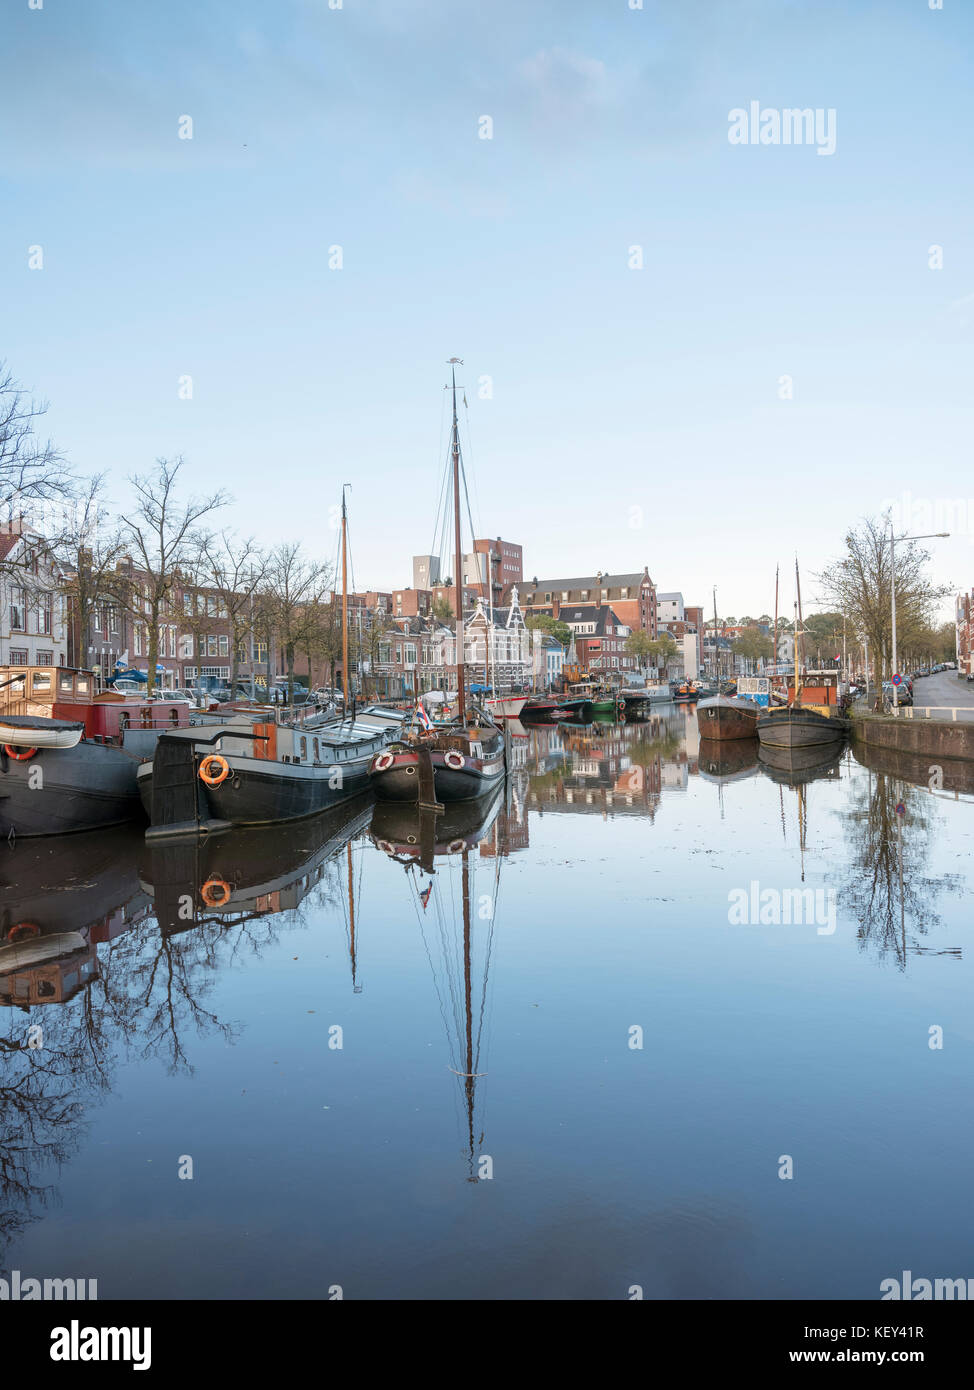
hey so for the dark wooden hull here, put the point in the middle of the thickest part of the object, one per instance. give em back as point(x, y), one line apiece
point(263, 793)
point(797, 727)
point(475, 778)
point(69, 790)
point(724, 718)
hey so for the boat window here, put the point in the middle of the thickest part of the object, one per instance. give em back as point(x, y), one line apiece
point(174, 717)
point(316, 750)
point(123, 720)
point(65, 682)
point(41, 683)
point(82, 685)
point(304, 748)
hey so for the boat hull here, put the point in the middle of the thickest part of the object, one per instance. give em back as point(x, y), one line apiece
point(507, 706)
point(261, 793)
point(793, 727)
point(398, 780)
point(723, 718)
point(60, 791)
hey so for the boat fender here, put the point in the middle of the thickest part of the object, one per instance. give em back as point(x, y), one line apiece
point(20, 930)
point(383, 761)
point(214, 769)
point(455, 846)
point(215, 892)
point(20, 755)
point(454, 760)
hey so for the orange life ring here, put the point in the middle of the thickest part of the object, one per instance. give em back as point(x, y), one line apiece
point(215, 892)
point(21, 929)
point(22, 756)
point(214, 779)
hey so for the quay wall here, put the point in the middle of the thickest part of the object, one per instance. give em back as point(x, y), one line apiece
point(933, 738)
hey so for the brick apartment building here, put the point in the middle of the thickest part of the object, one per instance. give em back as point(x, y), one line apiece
point(632, 597)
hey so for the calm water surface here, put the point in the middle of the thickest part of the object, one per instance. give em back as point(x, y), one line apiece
point(431, 1084)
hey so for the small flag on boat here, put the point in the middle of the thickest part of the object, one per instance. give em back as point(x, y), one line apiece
point(423, 717)
point(424, 897)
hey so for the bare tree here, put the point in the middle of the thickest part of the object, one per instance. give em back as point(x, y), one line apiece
point(88, 551)
point(291, 598)
point(236, 571)
point(164, 534)
point(32, 471)
point(858, 585)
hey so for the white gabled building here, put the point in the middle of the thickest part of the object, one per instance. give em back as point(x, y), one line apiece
point(518, 655)
point(33, 629)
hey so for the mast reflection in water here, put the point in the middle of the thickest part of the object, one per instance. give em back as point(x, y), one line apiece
point(261, 1001)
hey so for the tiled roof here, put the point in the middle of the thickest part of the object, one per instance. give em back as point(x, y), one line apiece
point(591, 581)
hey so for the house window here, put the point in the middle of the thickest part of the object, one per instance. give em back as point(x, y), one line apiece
point(189, 674)
point(45, 658)
point(547, 598)
point(18, 656)
point(260, 650)
point(211, 646)
point(224, 645)
point(18, 610)
point(186, 645)
point(137, 636)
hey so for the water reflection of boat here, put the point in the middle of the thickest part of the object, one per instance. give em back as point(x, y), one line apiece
point(794, 766)
point(950, 775)
point(727, 760)
point(459, 957)
point(259, 869)
point(59, 900)
point(401, 828)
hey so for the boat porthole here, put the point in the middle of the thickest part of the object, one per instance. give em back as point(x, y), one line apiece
point(411, 770)
point(410, 839)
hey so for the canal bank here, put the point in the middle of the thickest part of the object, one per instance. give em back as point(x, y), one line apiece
point(933, 738)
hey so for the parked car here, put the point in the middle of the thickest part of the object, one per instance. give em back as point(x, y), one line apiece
point(126, 686)
point(903, 695)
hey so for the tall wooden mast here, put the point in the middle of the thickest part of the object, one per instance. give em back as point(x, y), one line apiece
point(344, 599)
point(458, 572)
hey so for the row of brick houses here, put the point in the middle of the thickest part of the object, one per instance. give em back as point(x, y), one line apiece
point(964, 628)
point(398, 644)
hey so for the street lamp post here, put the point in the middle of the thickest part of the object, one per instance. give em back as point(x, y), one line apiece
point(928, 535)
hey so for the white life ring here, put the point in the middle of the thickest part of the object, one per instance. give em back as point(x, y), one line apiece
point(454, 760)
point(382, 761)
point(455, 846)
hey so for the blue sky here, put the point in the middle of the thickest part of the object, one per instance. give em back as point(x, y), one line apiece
point(635, 416)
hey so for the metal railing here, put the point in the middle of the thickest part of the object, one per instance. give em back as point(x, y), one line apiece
point(911, 711)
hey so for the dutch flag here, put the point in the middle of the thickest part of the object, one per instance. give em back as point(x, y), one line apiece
point(423, 717)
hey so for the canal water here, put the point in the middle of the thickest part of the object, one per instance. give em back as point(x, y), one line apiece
point(662, 1018)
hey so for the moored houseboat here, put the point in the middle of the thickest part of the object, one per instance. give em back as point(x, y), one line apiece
point(69, 756)
point(813, 714)
point(726, 717)
point(462, 760)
